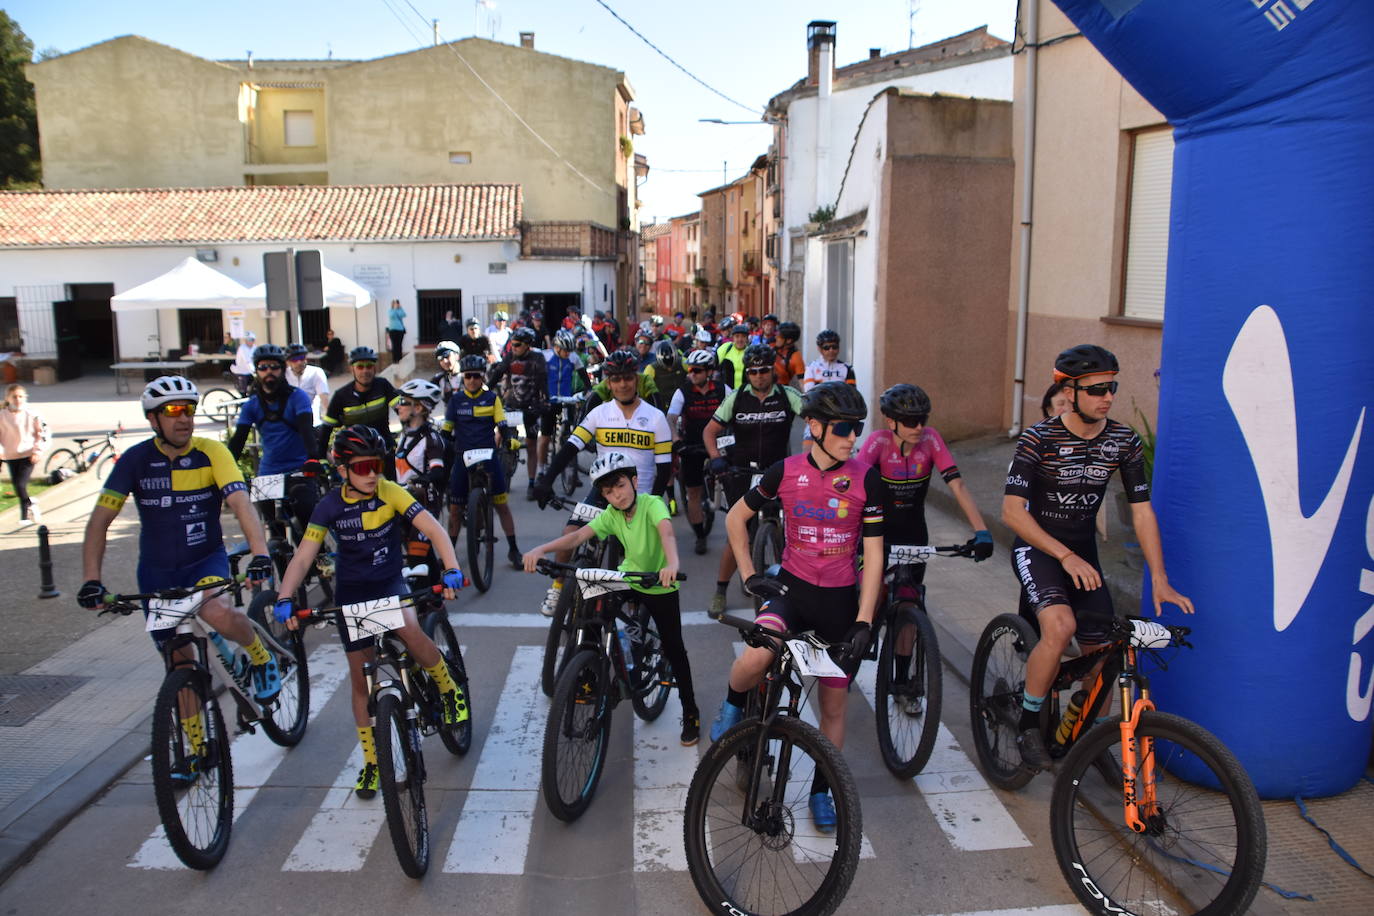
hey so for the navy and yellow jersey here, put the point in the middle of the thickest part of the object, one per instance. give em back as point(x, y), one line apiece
point(178, 499)
point(472, 418)
point(351, 407)
point(368, 531)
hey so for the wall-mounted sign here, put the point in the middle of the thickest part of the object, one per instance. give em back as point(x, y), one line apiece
point(375, 276)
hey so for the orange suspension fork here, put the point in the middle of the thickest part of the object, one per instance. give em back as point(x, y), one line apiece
point(1137, 777)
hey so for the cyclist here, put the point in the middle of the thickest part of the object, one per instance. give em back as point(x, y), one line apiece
point(790, 368)
point(367, 515)
point(567, 377)
point(368, 401)
point(498, 331)
point(667, 372)
point(1055, 485)
point(768, 330)
point(474, 342)
point(527, 389)
point(831, 506)
point(281, 414)
point(446, 353)
point(730, 356)
point(702, 340)
point(760, 415)
point(311, 379)
point(827, 367)
point(472, 419)
point(641, 523)
point(179, 482)
point(644, 349)
point(420, 449)
point(694, 404)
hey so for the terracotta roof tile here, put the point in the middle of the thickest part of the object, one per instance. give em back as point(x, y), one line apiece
point(299, 213)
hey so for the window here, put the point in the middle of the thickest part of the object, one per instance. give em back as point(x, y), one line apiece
point(460, 158)
point(839, 288)
point(299, 128)
point(1147, 224)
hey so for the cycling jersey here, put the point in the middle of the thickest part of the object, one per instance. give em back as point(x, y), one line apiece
point(418, 450)
point(639, 536)
point(566, 376)
point(367, 531)
point(1063, 478)
point(473, 346)
point(527, 383)
point(178, 501)
point(696, 408)
point(907, 478)
point(826, 515)
point(351, 407)
point(667, 383)
point(822, 370)
point(643, 437)
point(472, 419)
point(788, 365)
point(449, 384)
point(762, 426)
point(282, 448)
point(731, 360)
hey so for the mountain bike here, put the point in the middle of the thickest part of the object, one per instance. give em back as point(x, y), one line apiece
point(222, 405)
point(511, 444)
point(596, 679)
point(712, 492)
point(558, 644)
point(478, 517)
point(751, 844)
point(65, 462)
point(193, 780)
point(568, 409)
point(278, 499)
point(405, 705)
point(1150, 811)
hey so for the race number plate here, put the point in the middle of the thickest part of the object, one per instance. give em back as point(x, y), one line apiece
point(515, 418)
point(477, 456)
point(724, 441)
point(811, 661)
point(169, 613)
point(1146, 634)
point(373, 618)
point(902, 554)
point(268, 486)
point(585, 512)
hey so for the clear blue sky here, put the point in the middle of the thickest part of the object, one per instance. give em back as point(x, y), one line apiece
point(748, 49)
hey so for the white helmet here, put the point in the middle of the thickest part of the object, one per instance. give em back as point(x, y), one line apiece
point(704, 336)
point(609, 464)
point(168, 388)
point(705, 358)
point(445, 348)
point(419, 389)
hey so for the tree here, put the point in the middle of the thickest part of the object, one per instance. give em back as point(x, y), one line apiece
point(19, 156)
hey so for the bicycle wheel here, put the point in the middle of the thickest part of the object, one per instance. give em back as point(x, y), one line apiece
point(400, 768)
point(909, 693)
point(61, 458)
point(481, 552)
point(754, 702)
point(193, 778)
point(457, 738)
point(994, 696)
point(105, 465)
point(1202, 851)
point(215, 404)
point(575, 738)
point(651, 679)
point(569, 479)
point(284, 719)
point(767, 547)
point(708, 505)
point(558, 643)
point(772, 860)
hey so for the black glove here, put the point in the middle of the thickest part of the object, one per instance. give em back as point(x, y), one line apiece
point(312, 468)
point(980, 545)
point(854, 646)
point(543, 490)
point(437, 476)
point(720, 466)
point(92, 594)
point(762, 586)
point(259, 568)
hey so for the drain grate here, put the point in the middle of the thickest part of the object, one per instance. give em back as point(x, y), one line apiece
point(23, 696)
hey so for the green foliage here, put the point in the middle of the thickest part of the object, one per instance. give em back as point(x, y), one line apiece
point(1146, 433)
point(627, 146)
point(822, 215)
point(19, 162)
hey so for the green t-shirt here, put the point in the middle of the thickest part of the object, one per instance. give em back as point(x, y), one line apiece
point(639, 537)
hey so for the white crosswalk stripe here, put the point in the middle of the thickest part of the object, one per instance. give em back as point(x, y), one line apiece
point(663, 771)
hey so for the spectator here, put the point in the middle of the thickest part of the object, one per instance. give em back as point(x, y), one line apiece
point(333, 353)
point(396, 328)
point(23, 439)
point(451, 328)
point(1055, 401)
point(242, 367)
point(228, 345)
point(499, 331)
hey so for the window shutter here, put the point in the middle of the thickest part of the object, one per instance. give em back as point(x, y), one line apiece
point(1147, 234)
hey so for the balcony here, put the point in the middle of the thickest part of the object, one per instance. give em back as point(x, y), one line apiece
point(568, 239)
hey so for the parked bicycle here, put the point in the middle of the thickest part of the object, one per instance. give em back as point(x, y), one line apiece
point(63, 463)
point(751, 843)
point(618, 657)
point(405, 705)
point(1150, 811)
point(193, 780)
point(222, 405)
point(597, 552)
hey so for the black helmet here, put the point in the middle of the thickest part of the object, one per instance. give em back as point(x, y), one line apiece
point(904, 402)
point(269, 352)
point(296, 350)
point(621, 362)
point(361, 354)
point(827, 337)
point(472, 363)
point(789, 330)
point(666, 356)
point(1084, 359)
point(758, 356)
point(472, 322)
point(358, 442)
point(771, 317)
point(834, 401)
point(524, 335)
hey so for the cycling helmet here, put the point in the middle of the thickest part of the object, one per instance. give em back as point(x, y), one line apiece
point(564, 340)
point(445, 348)
point(705, 358)
point(361, 354)
point(656, 321)
point(167, 389)
point(269, 353)
point(1084, 359)
point(358, 442)
point(296, 350)
point(834, 401)
point(472, 363)
point(666, 356)
point(644, 336)
point(621, 362)
point(418, 389)
point(903, 402)
point(704, 336)
point(771, 317)
point(738, 327)
point(472, 323)
point(789, 330)
point(724, 325)
point(827, 337)
point(606, 469)
point(758, 356)
point(524, 335)
point(500, 315)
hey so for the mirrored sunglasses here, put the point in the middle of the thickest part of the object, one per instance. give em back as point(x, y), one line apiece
point(844, 428)
point(1101, 389)
point(178, 410)
point(365, 467)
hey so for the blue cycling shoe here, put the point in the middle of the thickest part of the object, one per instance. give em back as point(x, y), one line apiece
point(266, 681)
point(823, 812)
point(726, 719)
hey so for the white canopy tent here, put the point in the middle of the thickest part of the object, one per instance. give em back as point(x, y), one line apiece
point(189, 285)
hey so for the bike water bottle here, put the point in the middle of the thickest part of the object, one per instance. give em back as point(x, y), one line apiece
point(625, 648)
point(1061, 734)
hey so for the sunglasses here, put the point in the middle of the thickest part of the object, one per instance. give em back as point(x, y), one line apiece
point(366, 467)
point(519, 343)
point(764, 371)
point(844, 428)
point(295, 359)
point(914, 422)
point(268, 367)
point(620, 378)
point(407, 402)
point(829, 347)
point(481, 375)
point(365, 364)
point(696, 370)
point(1101, 389)
point(178, 410)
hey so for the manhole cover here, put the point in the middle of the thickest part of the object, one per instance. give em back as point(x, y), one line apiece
point(23, 696)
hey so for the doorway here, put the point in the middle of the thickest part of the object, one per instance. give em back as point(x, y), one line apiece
point(553, 305)
point(432, 304)
point(88, 326)
point(204, 326)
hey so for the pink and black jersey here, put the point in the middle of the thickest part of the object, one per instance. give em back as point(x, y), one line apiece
point(826, 515)
point(907, 478)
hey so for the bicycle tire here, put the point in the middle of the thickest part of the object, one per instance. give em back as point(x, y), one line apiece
point(457, 738)
point(652, 678)
point(576, 735)
point(708, 505)
point(285, 718)
point(906, 739)
point(197, 818)
point(1162, 864)
point(558, 643)
point(996, 683)
point(61, 458)
point(744, 759)
point(734, 864)
point(480, 566)
point(570, 480)
point(214, 404)
point(767, 546)
point(105, 465)
point(400, 770)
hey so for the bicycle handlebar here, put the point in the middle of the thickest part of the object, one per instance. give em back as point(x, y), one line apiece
point(554, 568)
point(127, 604)
point(308, 614)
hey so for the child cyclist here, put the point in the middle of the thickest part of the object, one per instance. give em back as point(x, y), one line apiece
point(420, 454)
point(640, 521)
point(367, 517)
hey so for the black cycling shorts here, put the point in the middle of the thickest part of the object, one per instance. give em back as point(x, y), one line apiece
point(691, 466)
point(548, 420)
point(830, 612)
point(1044, 583)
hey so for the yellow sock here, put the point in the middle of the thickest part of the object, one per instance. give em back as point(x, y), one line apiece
point(442, 679)
point(194, 726)
point(257, 652)
point(369, 747)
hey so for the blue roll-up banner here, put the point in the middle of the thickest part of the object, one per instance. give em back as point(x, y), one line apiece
point(1265, 465)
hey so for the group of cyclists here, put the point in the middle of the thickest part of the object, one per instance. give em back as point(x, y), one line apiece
point(686, 397)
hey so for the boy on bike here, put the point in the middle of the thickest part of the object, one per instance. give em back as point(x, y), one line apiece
point(641, 523)
point(1055, 485)
point(179, 481)
point(367, 516)
point(472, 420)
point(695, 403)
point(830, 506)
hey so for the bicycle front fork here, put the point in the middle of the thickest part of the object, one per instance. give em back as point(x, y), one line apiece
point(1137, 765)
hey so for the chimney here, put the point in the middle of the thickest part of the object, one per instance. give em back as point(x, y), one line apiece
point(527, 40)
point(875, 53)
point(820, 47)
